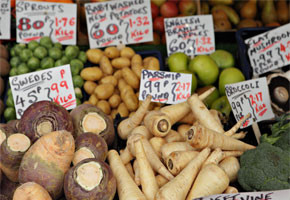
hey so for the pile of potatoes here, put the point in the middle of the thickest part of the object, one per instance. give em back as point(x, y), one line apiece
point(113, 84)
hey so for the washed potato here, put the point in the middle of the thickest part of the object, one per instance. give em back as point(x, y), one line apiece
point(104, 91)
point(91, 73)
point(89, 87)
point(94, 55)
point(109, 79)
point(93, 99)
point(118, 74)
point(153, 64)
point(130, 77)
point(104, 106)
point(112, 52)
point(127, 52)
point(114, 100)
point(106, 66)
point(123, 110)
point(121, 62)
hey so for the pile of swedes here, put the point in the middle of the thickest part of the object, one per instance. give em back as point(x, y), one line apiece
point(113, 84)
point(199, 159)
point(50, 151)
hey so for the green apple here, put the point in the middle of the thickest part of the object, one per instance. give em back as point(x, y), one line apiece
point(211, 98)
point(158, 2)
point(193, 80)
point(223, 59)
point(222, 104)
point(205, 68)
point(177, 62)
point(228, 76)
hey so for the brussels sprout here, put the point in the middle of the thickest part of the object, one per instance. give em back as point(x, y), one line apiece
point(32, 45)
point(33, 63)
point(15, 61)
point(40, 52)
point(46, 42)
point(47, 63)
point(25, 55)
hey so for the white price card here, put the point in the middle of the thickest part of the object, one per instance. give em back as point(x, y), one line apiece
point(122, 21)
point(267, 195)
point(269, 50)
point(192, 35)
point(54, 84)
point(5, 19)
point(37, 19)
point(165, 87)
point(252, 97)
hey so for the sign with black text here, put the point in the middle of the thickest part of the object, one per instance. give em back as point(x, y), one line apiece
point(165, 87)
point(192, 35)
point(5, 19)
point(122, 21)
point(267, 195)
point(269, 50)
point(252, 97)
point(53, 84)
point(37, 19)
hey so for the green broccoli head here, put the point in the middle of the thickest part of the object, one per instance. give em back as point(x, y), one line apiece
point(284, 141)
point(264, 168)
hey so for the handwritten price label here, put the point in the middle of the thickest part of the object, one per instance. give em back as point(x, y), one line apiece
point(191, 35)
point(269, 50)
point(269, 195)
point(37, 19)
point(5, 18)
point(114, 22)
point(165, 87)
point(250, 97)
point(53, 84)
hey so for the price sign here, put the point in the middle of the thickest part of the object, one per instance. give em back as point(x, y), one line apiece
point(250, 97)
point(115, 22)
point(37, 19)
point(269, 50)
point(269, 195)
point(5, 18)
point(191, 35)
point(53, 84)
point(165, 87)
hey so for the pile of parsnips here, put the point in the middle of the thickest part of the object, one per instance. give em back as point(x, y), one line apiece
point(199, 159)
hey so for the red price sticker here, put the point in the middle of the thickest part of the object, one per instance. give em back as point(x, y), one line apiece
point(53, 84)
point(37, 19)
point(250, 97)
point(165, 87)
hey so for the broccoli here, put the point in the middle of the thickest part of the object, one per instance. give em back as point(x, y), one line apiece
point(281, 126)
point(284, 141)
point(264, 168)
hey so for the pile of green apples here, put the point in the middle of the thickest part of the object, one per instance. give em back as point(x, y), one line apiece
point(214, 70)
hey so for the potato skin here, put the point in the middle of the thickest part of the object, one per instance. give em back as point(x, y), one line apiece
point(130, 77)
point(89, 87)
point(91, 73)
point(112, 52)
point(93, 142)
point(106, 66)
point(94, 55)
point(104, 91)
point(109, 79)
point(127, 52)
point(121, 62)
point(114, 100)
point(105, 190)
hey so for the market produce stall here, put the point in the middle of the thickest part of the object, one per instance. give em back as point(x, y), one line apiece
point(139, 99)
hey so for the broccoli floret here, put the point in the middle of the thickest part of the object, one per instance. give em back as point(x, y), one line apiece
point(264, 168)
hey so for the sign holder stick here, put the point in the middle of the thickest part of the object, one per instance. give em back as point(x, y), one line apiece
point(257, 131)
